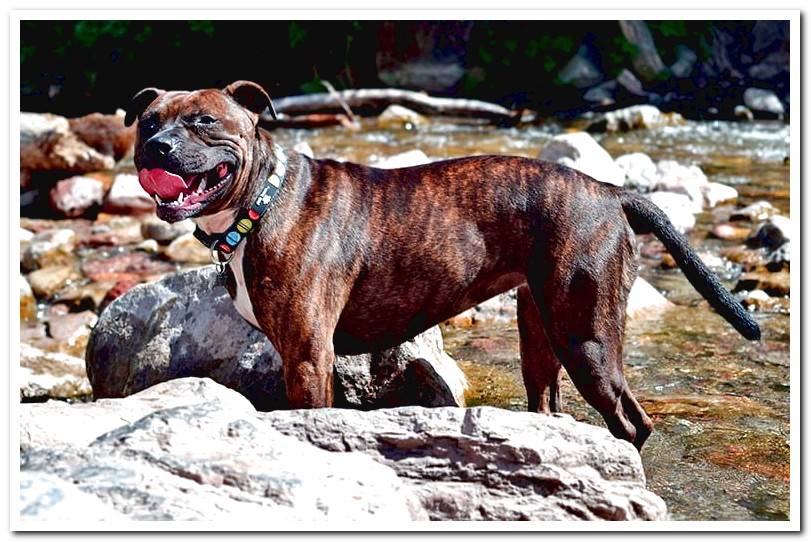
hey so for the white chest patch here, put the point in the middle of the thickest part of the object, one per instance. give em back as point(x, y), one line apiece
point(242, 301)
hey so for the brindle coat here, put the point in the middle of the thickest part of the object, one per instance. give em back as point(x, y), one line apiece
point(354, 259)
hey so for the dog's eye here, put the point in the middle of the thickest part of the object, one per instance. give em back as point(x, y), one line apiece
point(205, 119)
point(148, 125)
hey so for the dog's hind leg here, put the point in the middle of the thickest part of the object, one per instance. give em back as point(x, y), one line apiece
point(582, 305)
point(539, 365)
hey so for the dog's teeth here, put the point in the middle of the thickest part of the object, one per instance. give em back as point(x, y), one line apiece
point(179, 199)
point(158, 199)
point(202, 186)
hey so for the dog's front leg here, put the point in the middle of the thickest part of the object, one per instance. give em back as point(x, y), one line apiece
point(308, 367)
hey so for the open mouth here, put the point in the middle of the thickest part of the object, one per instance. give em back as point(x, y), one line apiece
point(173, 191)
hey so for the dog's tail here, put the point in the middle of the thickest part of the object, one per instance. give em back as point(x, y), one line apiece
point(645, 217)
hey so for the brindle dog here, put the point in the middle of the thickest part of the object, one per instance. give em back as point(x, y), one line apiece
point(354, 259)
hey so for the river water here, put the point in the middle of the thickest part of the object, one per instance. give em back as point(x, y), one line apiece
point(720, 450)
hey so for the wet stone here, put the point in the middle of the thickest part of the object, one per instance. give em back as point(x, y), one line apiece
point(774, 284)
point(187, 249)
point(730, 232)
point(47, 281)
point(129, 266)
point(163, 232)
point(76, 196)
point(756, 212)
point(49, 248)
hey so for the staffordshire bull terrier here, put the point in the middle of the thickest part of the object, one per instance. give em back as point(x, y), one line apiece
point(334, 258)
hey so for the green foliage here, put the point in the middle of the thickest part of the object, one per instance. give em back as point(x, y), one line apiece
point(88, 33)
point(313, 86)
point(204, 27)
point(675, 29)
point(296, 34)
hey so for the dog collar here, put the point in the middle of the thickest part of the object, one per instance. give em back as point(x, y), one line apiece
point(223, 245)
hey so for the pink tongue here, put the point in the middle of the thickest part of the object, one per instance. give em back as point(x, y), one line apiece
point(159, 181)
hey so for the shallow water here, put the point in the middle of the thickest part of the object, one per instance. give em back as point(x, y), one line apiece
point(720, 449)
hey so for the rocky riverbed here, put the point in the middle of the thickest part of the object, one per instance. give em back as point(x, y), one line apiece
point(720, 404)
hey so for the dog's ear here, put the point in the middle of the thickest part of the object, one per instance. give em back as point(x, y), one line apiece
point(140, 102)
point(250, 96)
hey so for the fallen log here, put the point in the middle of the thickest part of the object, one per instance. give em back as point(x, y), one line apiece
point(316, 120)
point(372, 101)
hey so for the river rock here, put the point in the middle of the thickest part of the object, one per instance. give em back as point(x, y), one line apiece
point(580, 71)
point(48, 281)
point(400, 118)
point(771, 233)
point(187, 249)
point(405, 159)
point(742, 112)
point(127, 266)
point(72, 331)
point(51, 375)
point(681, 179)
point(635, 117)
point(645, 300)
point(580, 151)
point(302, 147)
point(75, 196)
point(646, 60)
point(679, 208)
point(756, 212)
point(730, 232)
point(763, 102)
point(774, 65)
point(486, 463)
point(774, 284)
point(126, 196)
point(685, 63)
point(499, 309)
point(28, 305)
point(47, 144)
point(186, 325)
point(155, 468)
point(105, 133)
point(780, 258)
point(715, 193)
point(640, 171)
point(628, 82)
point(758, 300)
point(602, 94)
point(111, 230)
point(80, 296)
point(49, 248)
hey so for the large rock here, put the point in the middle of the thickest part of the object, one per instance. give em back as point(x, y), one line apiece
point(646, 60)
point(635, 117)
point(580, 151)
point(163, 232)
point(580, 71)
point(186, 325)
point(715, 193)
point(28, 305)
point(187, 249)
point(51, 375)
point(214, 460)
point(45, 497)
point(755, 212)
point(48, 281)
point(126, 196)
point(49, 248)
point(640, 171)
point(405, 159)
point(771, 233)
point(126, 266)
point(490, 464)
point(75, 196)
point(679, 208)
point(142, 457)
point(105, 133)
point(47, 144)
point(685, 63)
point(644, 300)
point(763, 102)
point(681, 179)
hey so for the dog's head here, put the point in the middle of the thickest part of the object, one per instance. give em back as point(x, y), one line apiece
point(194, 149)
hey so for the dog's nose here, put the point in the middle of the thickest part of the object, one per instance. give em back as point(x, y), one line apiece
point(161, 144)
